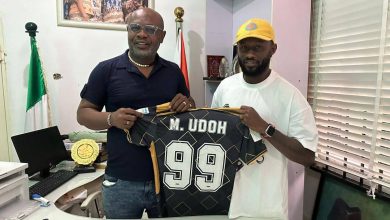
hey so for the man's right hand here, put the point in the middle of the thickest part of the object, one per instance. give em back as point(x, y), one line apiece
point(124, 118)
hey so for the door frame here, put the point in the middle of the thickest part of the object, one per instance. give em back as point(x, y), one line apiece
point(5, 151)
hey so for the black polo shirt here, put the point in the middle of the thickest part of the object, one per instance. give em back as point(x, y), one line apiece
point(117, 83)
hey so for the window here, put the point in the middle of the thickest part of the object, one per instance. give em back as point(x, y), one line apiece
point(349, 88)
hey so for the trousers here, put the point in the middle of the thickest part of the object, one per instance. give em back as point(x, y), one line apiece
point(128, 199)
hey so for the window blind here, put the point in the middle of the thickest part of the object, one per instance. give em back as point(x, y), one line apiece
point(349, 86)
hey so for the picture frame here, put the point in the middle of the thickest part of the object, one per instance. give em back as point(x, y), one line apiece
point(97, 14)
point(213, 66)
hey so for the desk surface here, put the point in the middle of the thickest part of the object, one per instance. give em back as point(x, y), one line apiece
point(52, 212)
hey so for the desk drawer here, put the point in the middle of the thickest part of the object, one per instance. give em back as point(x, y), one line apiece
point(15, 188)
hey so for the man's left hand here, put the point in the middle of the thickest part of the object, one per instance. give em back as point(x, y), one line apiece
point(181, 103)
point(252, 119)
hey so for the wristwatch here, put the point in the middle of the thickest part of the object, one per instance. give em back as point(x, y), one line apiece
point(269, 131)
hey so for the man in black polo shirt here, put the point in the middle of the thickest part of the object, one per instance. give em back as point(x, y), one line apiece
point(135, 79)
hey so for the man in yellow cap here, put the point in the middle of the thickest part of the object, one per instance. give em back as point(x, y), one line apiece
point(277, 114)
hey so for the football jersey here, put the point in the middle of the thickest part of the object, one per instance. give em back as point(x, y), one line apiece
point(198, 153)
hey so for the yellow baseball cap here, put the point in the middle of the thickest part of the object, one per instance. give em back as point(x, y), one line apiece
point(257, 28)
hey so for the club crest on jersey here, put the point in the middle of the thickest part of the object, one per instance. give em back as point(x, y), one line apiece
point(200, 125)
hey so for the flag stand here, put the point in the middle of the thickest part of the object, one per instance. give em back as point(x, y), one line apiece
point(38, 107)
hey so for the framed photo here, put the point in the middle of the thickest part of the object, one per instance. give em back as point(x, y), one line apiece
point(213, 66)
point(98, 14)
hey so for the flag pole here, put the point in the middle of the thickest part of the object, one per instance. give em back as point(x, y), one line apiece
point(31, 29)
point(179, 12)
point(180, 54)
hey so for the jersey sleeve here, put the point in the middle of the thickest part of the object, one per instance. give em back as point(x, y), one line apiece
point(144, 131)
point(250, 150)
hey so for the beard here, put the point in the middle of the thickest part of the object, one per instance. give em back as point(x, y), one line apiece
point(149, 53)
point(255, 71)
point(142, 54)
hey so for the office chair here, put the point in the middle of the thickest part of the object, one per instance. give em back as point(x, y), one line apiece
point(92, 206)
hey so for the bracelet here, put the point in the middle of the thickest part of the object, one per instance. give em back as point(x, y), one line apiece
point(109, 119)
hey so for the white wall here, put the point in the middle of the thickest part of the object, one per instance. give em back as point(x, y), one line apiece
point(74, 52)
point(291, 21)
point(245, 9)
point(4, 147)
point(194, 34)
point(218, 28)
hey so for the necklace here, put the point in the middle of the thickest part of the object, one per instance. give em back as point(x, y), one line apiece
point(137, 64)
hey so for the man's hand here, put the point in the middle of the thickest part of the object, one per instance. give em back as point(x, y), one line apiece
point(288, 146)
point(252, 119)
point(181, 103)
point(124, 118)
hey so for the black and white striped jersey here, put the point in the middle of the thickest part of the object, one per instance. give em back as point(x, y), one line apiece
point(198, 153)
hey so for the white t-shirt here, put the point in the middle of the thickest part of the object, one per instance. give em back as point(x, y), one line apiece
point(261, 190)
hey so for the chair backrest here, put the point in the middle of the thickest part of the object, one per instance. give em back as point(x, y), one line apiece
point(92, 206)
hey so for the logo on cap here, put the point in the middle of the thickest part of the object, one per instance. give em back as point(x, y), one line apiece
point(251, 26)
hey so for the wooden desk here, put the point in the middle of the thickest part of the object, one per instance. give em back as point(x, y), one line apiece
point(52, 212)
point(84, 179)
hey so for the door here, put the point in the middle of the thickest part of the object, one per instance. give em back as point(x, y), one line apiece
point(5, 151)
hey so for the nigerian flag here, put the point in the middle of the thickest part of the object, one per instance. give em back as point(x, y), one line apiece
point(37, 109)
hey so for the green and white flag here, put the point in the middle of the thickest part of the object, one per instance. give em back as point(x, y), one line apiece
point(37, 108)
